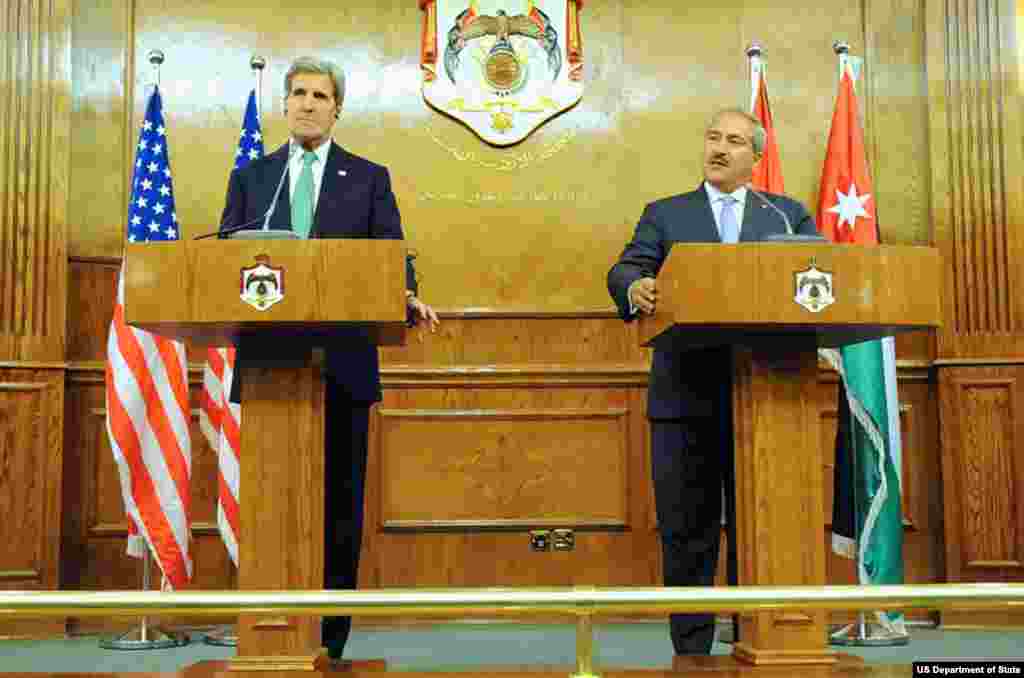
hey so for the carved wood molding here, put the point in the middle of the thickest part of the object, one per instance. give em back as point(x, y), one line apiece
point(976, 167)
point(35, 128)
point(983, 488)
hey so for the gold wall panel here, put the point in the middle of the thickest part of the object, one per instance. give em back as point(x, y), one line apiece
point(31, 411)
point(983, 473)
point(483, 468)
point(34, 138)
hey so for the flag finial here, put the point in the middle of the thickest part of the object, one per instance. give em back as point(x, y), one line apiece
point(257, 63)
point(156, 59)
point(754, 49)
point(841, 47)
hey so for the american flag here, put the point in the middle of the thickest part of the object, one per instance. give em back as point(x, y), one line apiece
point(220, 419)
point(147, 382)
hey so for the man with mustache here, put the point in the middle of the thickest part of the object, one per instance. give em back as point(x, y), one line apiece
point(689, 399)
point(329, 193)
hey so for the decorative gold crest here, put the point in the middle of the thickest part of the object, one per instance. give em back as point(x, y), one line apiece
point(262, 285)
point(814, 289)
point(508, 65)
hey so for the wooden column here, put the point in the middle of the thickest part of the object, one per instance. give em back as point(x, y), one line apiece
point(281, 499)
point(778, 499)
point(34, 128)
point(974, 91)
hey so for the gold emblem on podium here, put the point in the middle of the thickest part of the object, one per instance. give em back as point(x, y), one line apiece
point(262, 285)
point(814, 289)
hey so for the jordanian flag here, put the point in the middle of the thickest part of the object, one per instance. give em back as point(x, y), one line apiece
point(867, 520)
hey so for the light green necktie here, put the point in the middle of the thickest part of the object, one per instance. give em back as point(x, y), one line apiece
point(302, 200)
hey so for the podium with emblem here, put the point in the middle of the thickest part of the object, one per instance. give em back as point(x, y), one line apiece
point(280, 301)
point(777, 304)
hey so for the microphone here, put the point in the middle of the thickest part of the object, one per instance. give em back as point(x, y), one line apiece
point(789, 235)
point(265, 217)
point(277, 193)
point(766, 201)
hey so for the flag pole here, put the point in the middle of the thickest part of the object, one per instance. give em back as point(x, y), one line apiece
point(257, 64)
point(226, 635)
point(146, 637)
point(754, 53)
point(858, 633)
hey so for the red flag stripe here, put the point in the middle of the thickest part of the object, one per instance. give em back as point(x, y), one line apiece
point(157, 417)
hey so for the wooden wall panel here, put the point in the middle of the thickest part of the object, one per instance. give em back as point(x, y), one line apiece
point(983, 479)
point(489, 468)
point(976, 163)
point(31, 415)
point(984, 483)
point(34, 136)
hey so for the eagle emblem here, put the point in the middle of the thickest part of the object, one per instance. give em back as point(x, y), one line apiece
point(262, 285)
point(508, 65)
point(814, 289)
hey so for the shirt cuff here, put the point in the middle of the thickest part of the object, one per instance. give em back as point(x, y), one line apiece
point(629, 298)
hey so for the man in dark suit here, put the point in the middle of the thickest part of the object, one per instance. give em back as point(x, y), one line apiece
point(327, 192)
point(689, 400)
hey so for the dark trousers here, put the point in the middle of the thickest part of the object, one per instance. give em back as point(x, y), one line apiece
point(691, 459)
point(345, 451)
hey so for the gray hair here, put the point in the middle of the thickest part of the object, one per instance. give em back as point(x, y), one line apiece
point(759, 137)
point(317, 67)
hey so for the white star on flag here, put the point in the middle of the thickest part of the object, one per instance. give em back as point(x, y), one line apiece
point(160, 130)
point(158, 208)
point(146, 184)
point(153, 167)
point(164, 190)
point(141, 202)
point(142, 146)
point(155, 227)
point(147, 125)
point(849, 206)
point(256, 136)
point(253, 154)
point(157, 148)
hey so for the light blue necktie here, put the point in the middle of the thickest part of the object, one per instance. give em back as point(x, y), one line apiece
point(727, 225)
point(302, 200)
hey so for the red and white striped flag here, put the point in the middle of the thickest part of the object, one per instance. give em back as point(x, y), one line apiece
point(147, 383)
point(220, 419)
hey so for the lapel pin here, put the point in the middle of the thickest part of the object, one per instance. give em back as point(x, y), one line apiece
point(342, 173)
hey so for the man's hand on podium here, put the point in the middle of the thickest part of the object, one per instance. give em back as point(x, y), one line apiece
point(643, 295)
point(421, 311)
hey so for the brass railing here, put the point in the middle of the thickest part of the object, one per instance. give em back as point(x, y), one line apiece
point(583, 602)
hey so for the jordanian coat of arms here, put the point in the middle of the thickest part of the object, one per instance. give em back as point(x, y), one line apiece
point(814, 289)
point(502, 67)
point(262, 284)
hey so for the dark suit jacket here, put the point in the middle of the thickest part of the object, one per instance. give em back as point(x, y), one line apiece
point(688, 384)
point(355, 202)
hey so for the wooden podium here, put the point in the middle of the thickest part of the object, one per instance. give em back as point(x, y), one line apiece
point(308, 291)
point(745, 295)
